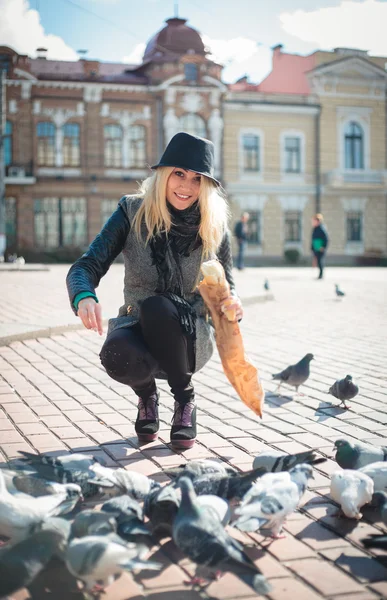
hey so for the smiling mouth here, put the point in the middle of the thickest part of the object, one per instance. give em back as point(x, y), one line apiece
point(182, 196)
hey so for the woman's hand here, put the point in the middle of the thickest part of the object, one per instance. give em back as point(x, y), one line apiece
point(232, 303)
point(90, 313)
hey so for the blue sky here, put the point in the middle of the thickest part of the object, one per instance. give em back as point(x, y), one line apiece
point(240, 33)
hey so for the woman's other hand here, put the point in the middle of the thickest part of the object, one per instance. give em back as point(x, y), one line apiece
point(232, 303)
point(90, 313)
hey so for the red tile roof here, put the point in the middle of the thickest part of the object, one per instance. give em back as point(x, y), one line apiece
point(288, 75)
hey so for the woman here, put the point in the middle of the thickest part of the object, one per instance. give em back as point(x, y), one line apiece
point(319, 243)
point(177, 221)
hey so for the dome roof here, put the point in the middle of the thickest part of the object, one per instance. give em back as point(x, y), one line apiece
point(176, 38)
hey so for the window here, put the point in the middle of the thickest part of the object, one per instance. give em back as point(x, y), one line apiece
point(8, 144)
point(293, 226)
point(5, 63)
point(251, 160)
point(354, 146)
point(10, 224)
point(354, 226)
point(190, 71)
point(107, 209)
point(60, 222)
point(137, 146)
point(46, 144)
point(193, 124)
point(71, 145)
point(113, 145)
point(292, 155)
point(254, 227)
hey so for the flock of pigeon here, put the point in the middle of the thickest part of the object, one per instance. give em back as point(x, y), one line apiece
point(44, 513)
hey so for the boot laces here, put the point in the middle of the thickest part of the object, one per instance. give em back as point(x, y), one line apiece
point(147, 408)
point(183, 414)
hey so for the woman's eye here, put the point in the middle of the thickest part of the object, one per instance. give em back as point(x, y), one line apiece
point(179, 173)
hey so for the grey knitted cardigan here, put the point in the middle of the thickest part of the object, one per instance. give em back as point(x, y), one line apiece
point(140, 282)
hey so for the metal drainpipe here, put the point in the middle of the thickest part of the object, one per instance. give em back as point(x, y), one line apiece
point(317, 161)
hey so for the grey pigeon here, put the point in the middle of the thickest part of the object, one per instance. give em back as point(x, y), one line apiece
point(355, 455)
point(272, 499)
point(378, 473)
point(229, 487)
point(201, 466)
point(216, 507)
point(71, 468)
point(95, 559)
point(161, 506)
point(129, 517)
point(63, 527)
point(380, 499)
point(344, 389)
point(339, 292)
point(295, 375)
point(116, 482)
point(266, 285)
point(204, 540)
point(21, 516)
point(36, 486)
point(276, 461)
point(22, 562)
point(92, 522)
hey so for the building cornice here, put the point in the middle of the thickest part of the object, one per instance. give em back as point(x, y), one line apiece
point(249, 105)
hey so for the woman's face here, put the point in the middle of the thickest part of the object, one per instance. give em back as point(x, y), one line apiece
point(183, 188)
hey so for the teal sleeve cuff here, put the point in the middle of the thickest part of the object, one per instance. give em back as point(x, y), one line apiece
point(81, 296)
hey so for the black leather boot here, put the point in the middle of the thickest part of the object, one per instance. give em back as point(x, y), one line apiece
point(147, 422)
point(183, 431)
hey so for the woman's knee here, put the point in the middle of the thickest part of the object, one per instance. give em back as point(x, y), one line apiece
point(156, 308)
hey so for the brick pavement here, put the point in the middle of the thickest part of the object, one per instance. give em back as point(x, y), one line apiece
point(54, 396)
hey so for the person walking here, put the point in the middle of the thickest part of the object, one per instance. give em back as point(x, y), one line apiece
point(176, 221)
point(241, 234)
point(319, 243)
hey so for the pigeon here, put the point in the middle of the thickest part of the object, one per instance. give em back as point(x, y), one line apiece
point(161, 506)
point(355, 455)
point(216, 507)
point(229, 487)
point(95, 558)
point(201, 466)
point(344, 389)
point(36, 487)
point(67, 468)
point(20, 516)
point(266, 285)
point(205, 541)
point(295, 375)
point(116, 482)
point(276, 461)
point(378, 473)
point(375, 541)
point(351, 489)
point(380, 499)
point(22, 562)
point(92, 522)
point(272, 499)
point(129, 517)
point(63, 526)
point(339, 292)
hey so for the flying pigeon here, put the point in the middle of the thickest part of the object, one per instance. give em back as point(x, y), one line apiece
point(339, 292)
point(205, 541)
point(351, 489)
point(344, 389)
point(378, 473)
point(198, 467)
point(275, 461)
point(129, 517)
point(354, 455)
point(22, 562)
point(116, 482)
point(272, 499)
point(95, 558)
point(229, 487)
point(295, 375)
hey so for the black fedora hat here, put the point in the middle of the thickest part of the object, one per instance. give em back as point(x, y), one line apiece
point(191, 153)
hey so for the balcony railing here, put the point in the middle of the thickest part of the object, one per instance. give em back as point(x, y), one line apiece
point(20, 173)
point(348, 177)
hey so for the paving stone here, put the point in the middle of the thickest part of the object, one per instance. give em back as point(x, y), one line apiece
point(357, 563)
point(289, 588)
point(325, 578)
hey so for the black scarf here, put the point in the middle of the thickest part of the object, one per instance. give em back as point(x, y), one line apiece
point(167, 250)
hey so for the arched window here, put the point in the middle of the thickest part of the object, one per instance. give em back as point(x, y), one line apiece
point(71, 145)
point(137, 146)
point(113, 145)
point(354, 146)
point(8, 144)
point(193, 124)
point(46, 144)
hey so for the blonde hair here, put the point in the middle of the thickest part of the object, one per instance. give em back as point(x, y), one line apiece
point(319, 217)
point(156, 216)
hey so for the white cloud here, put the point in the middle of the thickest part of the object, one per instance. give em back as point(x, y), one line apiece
point(135, 57)
point(240, 56)
point(20, 28)
point(352, 24)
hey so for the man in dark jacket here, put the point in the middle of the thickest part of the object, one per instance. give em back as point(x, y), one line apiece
point(241, 234)
point(319, 242)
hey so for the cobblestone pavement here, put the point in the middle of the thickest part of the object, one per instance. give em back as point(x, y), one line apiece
point(54, 396)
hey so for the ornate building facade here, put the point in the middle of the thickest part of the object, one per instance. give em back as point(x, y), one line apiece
point(309, 138)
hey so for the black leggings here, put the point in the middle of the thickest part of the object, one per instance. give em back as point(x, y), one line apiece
point(320, 261)
point(135, 355)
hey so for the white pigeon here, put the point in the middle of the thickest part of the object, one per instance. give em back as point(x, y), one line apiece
point(271, 499)
point(351, 489)
point(116, 482)
point(20, 516)
point(378, 473)
point(95, 558)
